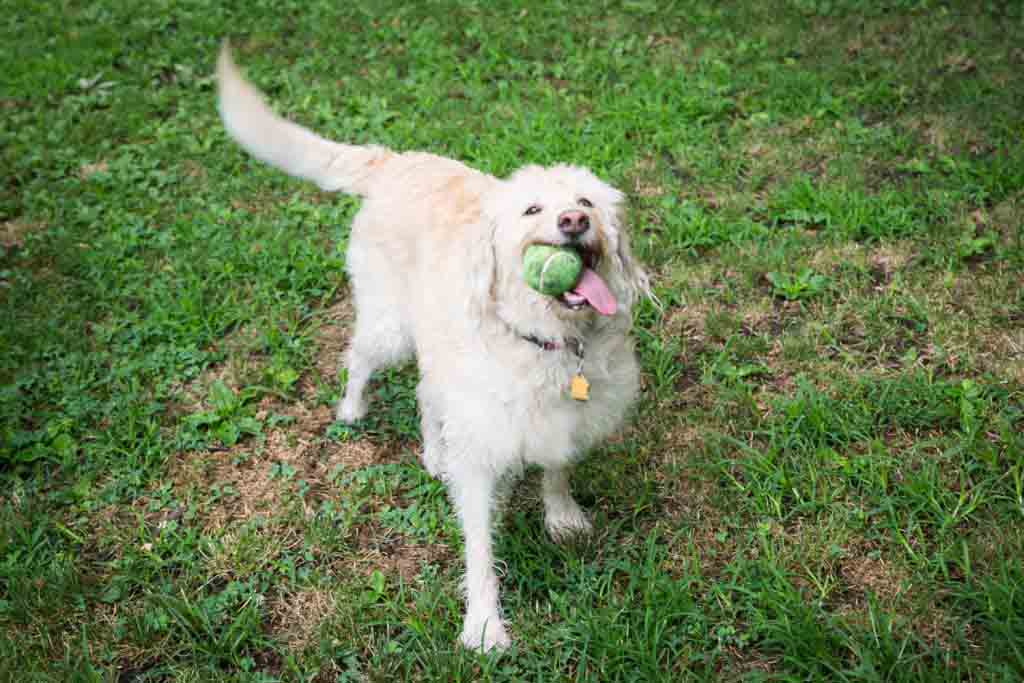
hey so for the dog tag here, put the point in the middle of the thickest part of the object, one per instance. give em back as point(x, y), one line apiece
point(579, 389)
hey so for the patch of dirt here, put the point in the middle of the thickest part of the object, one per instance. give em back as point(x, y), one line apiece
point(681, 439)
point(1007, 218)
point(688, 321)
point(288, 465)
point(193, 169)
point(332, 340)
point(864, 571)
point(765, 316)
point(687, 499)
point(86, 171)
point(946, 134)
point(689, 391)
point(826, 258)
point(979, 326)
point(645, 178)
point(782, 380)
point(748, 660)
point(880, 263)
point(862, 574)
point(133, 660)
point(1008, 356)
point(12, 233)
point(257, 474)
point(378, 549)
point(888, 259)
point(294, 618)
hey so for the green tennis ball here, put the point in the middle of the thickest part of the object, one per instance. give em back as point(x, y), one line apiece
point(551, 270)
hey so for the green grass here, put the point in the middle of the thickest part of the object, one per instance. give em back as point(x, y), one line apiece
point(824, 481)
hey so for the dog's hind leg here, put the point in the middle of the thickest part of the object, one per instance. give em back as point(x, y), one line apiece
point(352, 407)
point(381, 337)
point(371, 349)
point(379, 340)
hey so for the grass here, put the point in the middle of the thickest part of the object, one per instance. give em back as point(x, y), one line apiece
point(825, 477)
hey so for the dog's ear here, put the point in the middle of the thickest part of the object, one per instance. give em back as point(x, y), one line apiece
point(629, 270)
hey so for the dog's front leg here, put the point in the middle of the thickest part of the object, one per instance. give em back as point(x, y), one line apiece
point(563, 516)
point(473, 495)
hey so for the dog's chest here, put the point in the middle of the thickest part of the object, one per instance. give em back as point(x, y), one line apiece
point(559, 423)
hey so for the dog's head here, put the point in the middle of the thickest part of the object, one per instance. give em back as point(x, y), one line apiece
point(564, 206)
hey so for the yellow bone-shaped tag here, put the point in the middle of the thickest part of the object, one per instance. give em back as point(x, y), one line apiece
point(579, 389)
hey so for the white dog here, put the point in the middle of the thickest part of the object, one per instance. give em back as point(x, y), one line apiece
point(435, 263)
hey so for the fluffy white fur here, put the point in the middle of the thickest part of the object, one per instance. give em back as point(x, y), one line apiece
point(434, 258)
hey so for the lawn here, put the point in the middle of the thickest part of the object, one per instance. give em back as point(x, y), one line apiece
point(824, 479)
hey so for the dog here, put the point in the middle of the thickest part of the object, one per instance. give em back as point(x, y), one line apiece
point(509, 377)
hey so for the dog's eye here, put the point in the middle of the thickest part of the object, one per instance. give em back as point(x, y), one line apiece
point(533, 209)
point(586, 202)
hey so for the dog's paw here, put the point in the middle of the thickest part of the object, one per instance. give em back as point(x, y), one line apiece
point(567, 523)
point(350, 411)
point(484, 635)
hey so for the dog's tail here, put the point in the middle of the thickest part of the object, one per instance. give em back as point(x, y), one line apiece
point(287, 146)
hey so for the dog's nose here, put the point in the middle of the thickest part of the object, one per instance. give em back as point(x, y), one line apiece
point(573, 223)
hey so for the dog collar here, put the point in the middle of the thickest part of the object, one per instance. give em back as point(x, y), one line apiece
point(572, 343)
point(579, 387)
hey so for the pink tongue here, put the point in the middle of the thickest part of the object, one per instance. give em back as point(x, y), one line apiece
point(592, 288)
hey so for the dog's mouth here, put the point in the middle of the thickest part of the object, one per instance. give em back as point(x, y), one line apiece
point(590, 290)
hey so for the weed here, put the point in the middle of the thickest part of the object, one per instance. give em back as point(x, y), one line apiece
point(803, 284)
